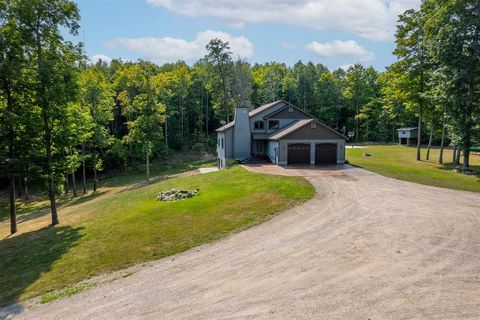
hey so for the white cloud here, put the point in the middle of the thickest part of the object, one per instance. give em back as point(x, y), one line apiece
point(345, 50)
point(370, 19)
point(167, 49)
point(96, 57)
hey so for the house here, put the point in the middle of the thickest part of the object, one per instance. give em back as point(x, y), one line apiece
point(283, 133)
point(408, 136)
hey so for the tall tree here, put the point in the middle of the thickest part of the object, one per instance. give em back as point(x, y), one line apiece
point(452, 36)
point(148, 115)
point(220, 56)
point(410, 49)
point(97, 98)
point(42, 23)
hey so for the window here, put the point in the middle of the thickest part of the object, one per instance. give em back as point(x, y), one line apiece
point(290, 109)
point(273, 124)
point(258, 125)
point(221, 143)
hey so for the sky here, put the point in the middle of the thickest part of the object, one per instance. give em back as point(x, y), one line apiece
point(336, 33)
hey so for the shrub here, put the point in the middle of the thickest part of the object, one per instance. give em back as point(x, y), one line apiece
point(231, 163)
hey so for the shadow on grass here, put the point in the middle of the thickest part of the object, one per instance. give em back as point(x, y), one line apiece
point(451, 166)
point(24, 258)
point(83, 198)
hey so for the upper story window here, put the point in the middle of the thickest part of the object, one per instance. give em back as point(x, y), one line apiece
point(273, 124)
point(220, 143)
point(313, 125)
point(258, 125)
point(290, 109)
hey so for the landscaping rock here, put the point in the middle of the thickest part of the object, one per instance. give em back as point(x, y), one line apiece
point(174, 195)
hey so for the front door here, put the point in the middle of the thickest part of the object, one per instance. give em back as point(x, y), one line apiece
point(260, 147)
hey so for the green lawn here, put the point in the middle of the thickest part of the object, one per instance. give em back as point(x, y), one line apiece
point(399, 162)
point(114, 231)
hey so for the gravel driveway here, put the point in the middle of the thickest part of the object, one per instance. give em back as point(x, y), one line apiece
point(365, 247)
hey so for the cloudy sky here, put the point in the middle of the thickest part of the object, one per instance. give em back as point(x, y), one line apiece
point(333, 32)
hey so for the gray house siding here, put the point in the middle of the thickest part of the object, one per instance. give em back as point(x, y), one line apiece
point(307, 132)
point(241, 134)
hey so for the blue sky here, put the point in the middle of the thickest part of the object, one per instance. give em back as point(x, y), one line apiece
point(333, 32)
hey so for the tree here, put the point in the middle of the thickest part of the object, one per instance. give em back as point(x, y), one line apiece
point(328, 96)
point(96, 97)
point(148, 115)
point(242, 84)
point(220, 56)
point(452, 37)
point(42, 23)
point(12, 62)
point(359, 89)
point(410, 49)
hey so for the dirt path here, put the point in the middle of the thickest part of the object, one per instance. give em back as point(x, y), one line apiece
point(366, 247)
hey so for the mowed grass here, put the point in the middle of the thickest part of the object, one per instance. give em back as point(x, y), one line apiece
point(400, 162)
point(118, 230)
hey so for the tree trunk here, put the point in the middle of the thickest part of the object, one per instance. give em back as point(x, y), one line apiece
point(357, 124)
point(13, 207)
point(74, 182)
point(94, 170)
point(166, 132)
point(430, 141)
point(420, 114)
point(19, 187)
point(67, 184)
point(26, 195)
point(442, 142)
point(419, 138)
point(11, 154)
point(84, 170)
point(47, 137)
point(206, 117)
point(53, 204)
point(454, 153)
point(147, 162)
point(457, 157)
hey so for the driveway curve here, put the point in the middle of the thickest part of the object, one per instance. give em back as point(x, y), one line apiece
point(365, 247)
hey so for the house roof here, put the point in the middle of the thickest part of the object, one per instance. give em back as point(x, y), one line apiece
point(407, 129)
point(265, 107)
point(226, 126)
point(294, 126)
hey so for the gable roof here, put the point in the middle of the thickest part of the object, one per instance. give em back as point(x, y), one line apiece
point(265, 107)
point(287, 105)
point(294, 126)
point(226, 126)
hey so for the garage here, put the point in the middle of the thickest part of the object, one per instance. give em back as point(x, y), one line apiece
point(326, 153)
point(298, 153)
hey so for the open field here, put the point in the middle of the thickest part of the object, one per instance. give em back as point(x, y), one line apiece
point(121, 226)
point(400, 162)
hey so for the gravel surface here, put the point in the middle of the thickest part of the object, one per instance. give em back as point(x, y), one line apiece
point(365, 247)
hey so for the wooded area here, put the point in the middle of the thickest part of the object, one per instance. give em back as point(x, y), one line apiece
point(63, 119)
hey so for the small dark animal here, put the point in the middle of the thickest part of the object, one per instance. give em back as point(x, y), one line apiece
point(367, 154)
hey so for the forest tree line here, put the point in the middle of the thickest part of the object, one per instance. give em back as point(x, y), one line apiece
point(64, 119)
